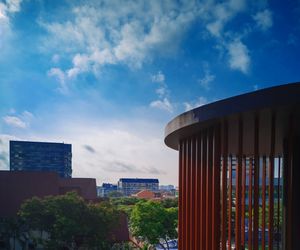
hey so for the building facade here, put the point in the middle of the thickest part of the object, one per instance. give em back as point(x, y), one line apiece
point(106, 189)
point(129, 186)
point(239, 171)
point(18, 186)
point(41, 156)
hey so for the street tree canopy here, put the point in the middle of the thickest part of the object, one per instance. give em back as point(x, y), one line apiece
point(154, 223)
point(68, 222)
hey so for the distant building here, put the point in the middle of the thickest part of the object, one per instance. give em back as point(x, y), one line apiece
point(41, 156)
point(166, 187)
point(105, 189)
point(129, 186)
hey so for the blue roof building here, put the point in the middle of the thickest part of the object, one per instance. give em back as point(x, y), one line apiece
point(129, 186)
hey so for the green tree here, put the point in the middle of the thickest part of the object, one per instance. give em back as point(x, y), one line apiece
point(68, 222)
point(154, 223)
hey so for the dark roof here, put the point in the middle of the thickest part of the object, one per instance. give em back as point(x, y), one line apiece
point(37, 142)
point(139, 180)
point(190, 121)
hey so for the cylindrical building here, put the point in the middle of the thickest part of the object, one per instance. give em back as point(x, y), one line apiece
point(239, 171)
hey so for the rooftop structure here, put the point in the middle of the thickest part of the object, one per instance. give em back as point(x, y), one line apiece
point(256, 137)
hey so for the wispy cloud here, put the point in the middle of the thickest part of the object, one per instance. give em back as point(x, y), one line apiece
point(125, 33)
point(122, 167)
point(239, 57)
point(207, 79)
point(19, 121)
point(4, 150)
point(162, 104)
point(163, 101)
point(61, 77)
point(7, 10)
point(221, 14)
point(132, 148)
point(264, 19)
point(131, 33)
point(199, 102)
point(14, 121)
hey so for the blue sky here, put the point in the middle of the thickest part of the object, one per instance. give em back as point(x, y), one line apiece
point(107, 76)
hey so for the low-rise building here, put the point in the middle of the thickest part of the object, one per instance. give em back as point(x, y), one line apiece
point(106, 189)
point(129, 186)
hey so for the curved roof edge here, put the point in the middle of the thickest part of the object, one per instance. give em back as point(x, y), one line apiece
point(265, 98)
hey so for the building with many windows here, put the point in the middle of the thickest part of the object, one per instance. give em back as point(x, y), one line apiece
point(41, 156)
point(106, 189)
point(129, 186)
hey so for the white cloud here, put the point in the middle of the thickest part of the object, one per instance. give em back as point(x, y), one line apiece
point(121, 148)
point(4, 150)
point(208, 78)
point(264, 19)
point(19, 121)
point(13, 5)
point(125, 33)
point(163, 104)
point(159, 77)
point(130, 32)
point(239, 58)
point(6, 11)
point(14, 121)
point(61, 77)
point(55, 58)
point(221, 14)
point(191, 105)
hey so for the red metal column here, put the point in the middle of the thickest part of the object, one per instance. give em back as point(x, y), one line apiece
point(271, 184)
point(216, 188)
point(243, 201)
point(184, 201)
point(180, 212)
point(203, 190)
point(250, 228)
point(263, 241)
point(193, 192)
point(188, 194)
point(238, 188)
point(256, 184)
point(278, 200)
point(230, 203)
point(209, 211)
point(198, 218)
point(224, 184)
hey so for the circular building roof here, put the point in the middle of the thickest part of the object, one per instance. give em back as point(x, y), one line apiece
point(191, 121)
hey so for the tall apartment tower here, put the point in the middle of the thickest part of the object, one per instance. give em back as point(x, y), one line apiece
point(41, 156)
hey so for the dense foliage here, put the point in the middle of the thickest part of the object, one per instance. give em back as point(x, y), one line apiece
point(67, 221)
point(154, 223)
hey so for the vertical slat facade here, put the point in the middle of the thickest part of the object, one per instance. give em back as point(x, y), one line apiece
point(229, 200)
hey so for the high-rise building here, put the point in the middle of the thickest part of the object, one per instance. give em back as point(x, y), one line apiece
point(41, 156)
point(131, 186)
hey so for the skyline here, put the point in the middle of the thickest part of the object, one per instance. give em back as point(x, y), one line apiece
point(107, 76)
